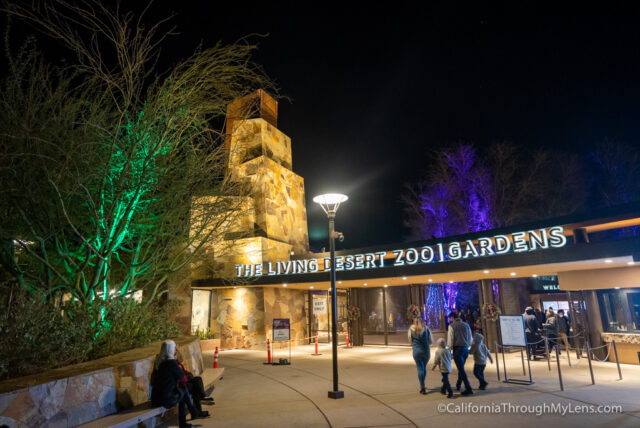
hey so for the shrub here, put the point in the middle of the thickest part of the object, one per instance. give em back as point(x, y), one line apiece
point(37, 335)
point(204, 334)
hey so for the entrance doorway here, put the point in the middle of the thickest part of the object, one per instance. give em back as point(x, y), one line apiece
point(320, 315)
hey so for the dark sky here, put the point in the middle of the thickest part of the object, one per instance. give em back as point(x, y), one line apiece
point(373, 90)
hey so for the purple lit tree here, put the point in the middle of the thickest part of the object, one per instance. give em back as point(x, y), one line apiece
point(465, 192)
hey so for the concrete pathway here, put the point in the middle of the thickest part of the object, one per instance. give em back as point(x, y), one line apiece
point(381, 390)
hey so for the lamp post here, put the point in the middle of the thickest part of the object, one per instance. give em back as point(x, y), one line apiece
point(330, 203)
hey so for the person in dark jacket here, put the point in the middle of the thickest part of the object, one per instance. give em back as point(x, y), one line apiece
point(165, 384)
point(531, 330)
point(195, 386)
point(539, 317)
point(530, 321)
point(470, 319)
point(551, 329)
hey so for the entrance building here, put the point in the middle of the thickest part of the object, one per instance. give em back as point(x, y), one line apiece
point(587, 264)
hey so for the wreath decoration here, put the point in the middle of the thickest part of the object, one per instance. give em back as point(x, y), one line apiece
point(354, 312)
point(491, 312)
point(413, 312)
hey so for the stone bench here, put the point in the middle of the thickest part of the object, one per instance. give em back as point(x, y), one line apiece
point(147, 411)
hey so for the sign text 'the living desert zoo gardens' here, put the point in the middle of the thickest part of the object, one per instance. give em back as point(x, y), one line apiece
point(532, 240)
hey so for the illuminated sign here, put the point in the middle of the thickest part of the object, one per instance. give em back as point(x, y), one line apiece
point(532, 240)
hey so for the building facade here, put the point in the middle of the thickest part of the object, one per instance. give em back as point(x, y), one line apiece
point(587, 264)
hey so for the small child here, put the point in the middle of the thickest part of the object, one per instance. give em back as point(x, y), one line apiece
point(443, 360)
point(480, 354)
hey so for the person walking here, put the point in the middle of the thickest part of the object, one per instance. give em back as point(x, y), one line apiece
point(459, 340)
point(442, 359)
point(421, 338)
point(480, 354)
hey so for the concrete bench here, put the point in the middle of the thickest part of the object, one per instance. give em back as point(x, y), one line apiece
point(135, 415)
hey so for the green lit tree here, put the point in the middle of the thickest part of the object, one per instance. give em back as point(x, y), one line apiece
point(111, 173)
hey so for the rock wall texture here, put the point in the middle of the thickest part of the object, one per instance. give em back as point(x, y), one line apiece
point(237, 316)
point(74, 395)
point(284, 303)
point(243, 316)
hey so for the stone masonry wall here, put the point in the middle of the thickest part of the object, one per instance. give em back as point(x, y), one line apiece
point(285, 303)
point(237, 316)
point(74, 395)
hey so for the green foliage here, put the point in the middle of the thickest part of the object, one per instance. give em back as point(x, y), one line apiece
point(37, 335)
point(204, 334)
point(110, 170)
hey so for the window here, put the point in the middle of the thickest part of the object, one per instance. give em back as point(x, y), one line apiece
point(620, 310)
point(200, 307)
point(634, 308)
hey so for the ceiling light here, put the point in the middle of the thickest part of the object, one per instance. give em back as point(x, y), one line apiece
point(365, 284)
point(339, 282)
point(485, 271)
point(430, 280)
point(608, 261)
point(404, 277)
point(284, 285)
point(513, 274)
point(311, 287)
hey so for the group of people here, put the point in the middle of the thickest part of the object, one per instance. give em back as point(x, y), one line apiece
point(470, 315)
point(459, 344)
point(554, 326)
point(172, 384)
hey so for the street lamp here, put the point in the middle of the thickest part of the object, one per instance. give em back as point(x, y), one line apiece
point(330, 204)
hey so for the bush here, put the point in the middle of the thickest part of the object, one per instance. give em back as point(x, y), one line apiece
point(204, 334)
point(35, 335)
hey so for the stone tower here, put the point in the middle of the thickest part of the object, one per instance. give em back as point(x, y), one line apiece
point(272, 223)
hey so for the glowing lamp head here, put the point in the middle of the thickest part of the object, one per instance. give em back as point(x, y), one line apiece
point(330, 202)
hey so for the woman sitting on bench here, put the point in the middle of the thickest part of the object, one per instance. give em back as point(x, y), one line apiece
point(166, 390)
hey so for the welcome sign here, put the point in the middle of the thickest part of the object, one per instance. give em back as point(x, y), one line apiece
point(519, 242)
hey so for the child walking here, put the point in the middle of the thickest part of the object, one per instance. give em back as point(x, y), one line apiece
point(480, 354)
point(442, 359)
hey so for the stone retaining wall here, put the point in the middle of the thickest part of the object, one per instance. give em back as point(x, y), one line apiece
point(77, 394)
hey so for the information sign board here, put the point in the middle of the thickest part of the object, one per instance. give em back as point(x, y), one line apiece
point(319, 305)
point(512, 330)
point(281, 329)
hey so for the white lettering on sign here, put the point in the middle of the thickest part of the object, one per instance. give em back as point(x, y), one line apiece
point(532, 240)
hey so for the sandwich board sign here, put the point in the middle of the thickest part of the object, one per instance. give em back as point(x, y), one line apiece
point(281, 329)
point(512, 334)
point(512, 330)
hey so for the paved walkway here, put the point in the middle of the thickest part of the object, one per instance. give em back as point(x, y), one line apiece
point(381, 390)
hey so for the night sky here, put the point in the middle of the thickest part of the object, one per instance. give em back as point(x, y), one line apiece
point(373, 90)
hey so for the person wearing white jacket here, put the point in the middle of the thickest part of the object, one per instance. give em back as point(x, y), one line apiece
point(480, 354)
